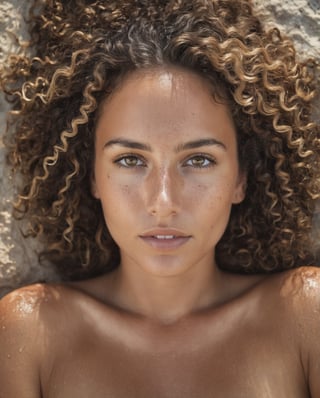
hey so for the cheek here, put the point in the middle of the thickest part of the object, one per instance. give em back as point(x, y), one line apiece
point(213, 194)
point(117, 199)
point(213, 203)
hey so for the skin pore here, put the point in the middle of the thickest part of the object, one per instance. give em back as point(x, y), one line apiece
point(166, 165)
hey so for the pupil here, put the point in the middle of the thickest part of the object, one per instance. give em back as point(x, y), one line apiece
point(131, 161)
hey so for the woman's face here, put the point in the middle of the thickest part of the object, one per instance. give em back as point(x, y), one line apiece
point(166, 170)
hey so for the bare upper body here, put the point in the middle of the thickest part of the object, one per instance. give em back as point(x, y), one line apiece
point(167, 323)
point(67, 341)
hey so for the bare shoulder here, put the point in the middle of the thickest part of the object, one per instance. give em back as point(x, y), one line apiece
point(299, 289)
point(294, 293)
point(24, 304)
point(290, 300)
point(22, 320)
point(24, 300)
point(21, 342)
point(37, 324)
point(21, 307)
point(28, 313)
point(299, 286)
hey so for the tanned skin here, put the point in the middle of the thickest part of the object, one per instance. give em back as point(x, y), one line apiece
point(167, 322)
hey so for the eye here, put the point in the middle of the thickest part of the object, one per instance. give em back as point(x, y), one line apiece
point(129, 161)
point(200, 161)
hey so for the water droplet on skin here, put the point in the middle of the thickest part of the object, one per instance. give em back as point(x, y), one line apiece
point(8, 356)
point(21, 349)
point(3, 328)
point(24, 303)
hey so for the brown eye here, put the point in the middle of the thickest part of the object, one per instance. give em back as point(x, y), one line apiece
point(200, 161)
point(130, 161)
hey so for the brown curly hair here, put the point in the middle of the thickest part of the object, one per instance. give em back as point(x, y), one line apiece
point(79, 52)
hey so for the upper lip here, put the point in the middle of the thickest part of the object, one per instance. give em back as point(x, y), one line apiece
point(164, 232)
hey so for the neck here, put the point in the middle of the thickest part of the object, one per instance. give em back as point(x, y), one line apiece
point(167, 299)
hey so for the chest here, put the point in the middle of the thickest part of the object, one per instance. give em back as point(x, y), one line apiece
point(244, 361)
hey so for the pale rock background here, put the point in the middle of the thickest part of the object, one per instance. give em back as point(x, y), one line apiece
point(300, 19)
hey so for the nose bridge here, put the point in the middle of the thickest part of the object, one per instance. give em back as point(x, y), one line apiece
point(163, 187)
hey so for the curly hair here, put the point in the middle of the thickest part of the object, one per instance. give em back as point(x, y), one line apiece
point(79, 52)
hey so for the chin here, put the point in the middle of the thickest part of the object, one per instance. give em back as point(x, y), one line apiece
point(165, 266)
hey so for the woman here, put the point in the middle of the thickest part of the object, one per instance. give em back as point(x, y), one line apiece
point(171, 165)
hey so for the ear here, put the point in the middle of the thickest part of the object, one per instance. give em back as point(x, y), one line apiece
point(240, 189)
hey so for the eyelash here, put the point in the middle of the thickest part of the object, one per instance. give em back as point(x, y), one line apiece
point(204, 157)
point(130, 156)
point(210, 161)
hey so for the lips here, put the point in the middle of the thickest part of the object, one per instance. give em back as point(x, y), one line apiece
point(164, 236)
point(165, 239)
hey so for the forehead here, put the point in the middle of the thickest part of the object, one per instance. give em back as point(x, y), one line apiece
point(163, 100)
point(170, 83)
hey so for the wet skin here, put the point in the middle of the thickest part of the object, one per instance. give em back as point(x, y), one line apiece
point(167, 322)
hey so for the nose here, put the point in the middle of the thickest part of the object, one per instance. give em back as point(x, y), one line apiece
point(163, 191)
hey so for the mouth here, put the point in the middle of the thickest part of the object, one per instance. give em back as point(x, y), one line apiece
point(164, 236)
point(165, 241)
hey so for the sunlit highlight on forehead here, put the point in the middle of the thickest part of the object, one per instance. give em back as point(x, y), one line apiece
point(165, 79)
point(174, 81)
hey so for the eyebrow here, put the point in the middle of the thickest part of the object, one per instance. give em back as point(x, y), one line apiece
point(199, 143)
point(128, 144)
point(181, 147)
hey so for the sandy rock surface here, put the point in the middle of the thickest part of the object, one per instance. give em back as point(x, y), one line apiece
point(300, 19)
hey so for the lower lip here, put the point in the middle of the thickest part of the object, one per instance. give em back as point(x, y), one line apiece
point(165, 244)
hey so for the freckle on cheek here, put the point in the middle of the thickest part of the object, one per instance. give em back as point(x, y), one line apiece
point(125, 189)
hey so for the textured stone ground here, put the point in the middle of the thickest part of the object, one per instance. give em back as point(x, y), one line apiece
point(300, 19)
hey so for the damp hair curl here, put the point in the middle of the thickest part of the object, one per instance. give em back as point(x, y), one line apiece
point(80, 50)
